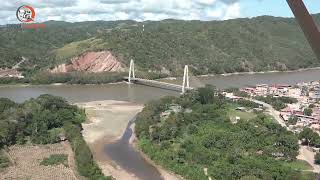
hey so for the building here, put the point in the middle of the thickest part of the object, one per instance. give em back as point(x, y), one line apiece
point(294, 92)
point(261, 90)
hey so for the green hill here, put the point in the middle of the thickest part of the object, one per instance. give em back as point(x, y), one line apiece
point(257, 44)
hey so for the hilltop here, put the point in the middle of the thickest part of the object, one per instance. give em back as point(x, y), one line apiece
point(257, 44)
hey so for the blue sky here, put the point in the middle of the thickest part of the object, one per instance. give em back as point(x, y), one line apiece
point(251, 8)
point(141, 10)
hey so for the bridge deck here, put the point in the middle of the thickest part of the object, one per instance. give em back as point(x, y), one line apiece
point(159, 84)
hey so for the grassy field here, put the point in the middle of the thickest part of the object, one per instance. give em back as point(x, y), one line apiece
point(76, 48)
point(299, 165)
point(233, 113)
point(27, 163)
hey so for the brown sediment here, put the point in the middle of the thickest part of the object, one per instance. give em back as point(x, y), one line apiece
point(107, 118)
point(94, 62)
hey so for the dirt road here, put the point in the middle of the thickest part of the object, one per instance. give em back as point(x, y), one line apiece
point(304, 152)
point(274, 113)
point(308, 155)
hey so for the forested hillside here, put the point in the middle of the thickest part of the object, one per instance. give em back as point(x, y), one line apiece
point(39, 45)
point(258, 44)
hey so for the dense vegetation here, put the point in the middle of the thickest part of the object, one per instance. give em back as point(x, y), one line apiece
point(248, 103)
point(55, 159)
point(78, 78)
point(38, 45)
point(277, 103)
point(237, 92)
point(309, 137)
point(43, 121)
point(257, 44)
point(83, 156)
point(187, 142)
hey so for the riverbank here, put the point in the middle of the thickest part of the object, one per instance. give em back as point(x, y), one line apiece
point(167, 175)
point(167, 78)
point(107, 120)
point(55, 84)
point(261, 72)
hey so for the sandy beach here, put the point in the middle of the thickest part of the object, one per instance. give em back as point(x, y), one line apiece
point(107, 119)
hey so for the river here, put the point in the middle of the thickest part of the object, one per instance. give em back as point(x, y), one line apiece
point(125, 155)
point(142, 94)
point(121, 152)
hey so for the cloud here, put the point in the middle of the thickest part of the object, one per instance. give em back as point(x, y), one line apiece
point(140, 10)
point(233, 11)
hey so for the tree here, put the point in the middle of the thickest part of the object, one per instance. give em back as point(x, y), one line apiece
point(312, 106)
point(308, 136)
point(293, 120)
point(287, 144)
point(6, 104)
point(307, 111)
point(4, 132)
point(188, 142)
point(317, 158)
point(206, 94)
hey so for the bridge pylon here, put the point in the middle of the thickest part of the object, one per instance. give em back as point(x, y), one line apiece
point(185, 83)
point(131, 71)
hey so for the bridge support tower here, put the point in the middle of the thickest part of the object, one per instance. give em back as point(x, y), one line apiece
point(185, 83)
point(131, 71)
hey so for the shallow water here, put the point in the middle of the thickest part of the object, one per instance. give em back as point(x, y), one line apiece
point(129, 159)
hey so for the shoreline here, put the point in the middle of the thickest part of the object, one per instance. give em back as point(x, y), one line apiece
point(107, 118)
point(106, 122)
point(167, 78)
point(258, 72)
point(57, 84)
point(124, 112)
point(165, 173)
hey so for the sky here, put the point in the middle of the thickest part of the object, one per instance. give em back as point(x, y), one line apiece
point(141, 10)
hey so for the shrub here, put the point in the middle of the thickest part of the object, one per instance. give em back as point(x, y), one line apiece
point(55, 159)
point(4, 161)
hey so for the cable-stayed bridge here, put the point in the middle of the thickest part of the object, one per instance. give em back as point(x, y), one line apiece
point(159, 84)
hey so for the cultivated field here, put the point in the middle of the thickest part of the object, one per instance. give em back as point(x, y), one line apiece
point(27, 161)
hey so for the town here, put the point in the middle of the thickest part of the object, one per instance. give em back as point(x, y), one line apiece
point(303, 111)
